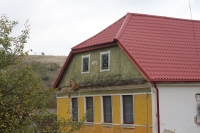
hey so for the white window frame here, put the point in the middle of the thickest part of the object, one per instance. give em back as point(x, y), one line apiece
point(102, 53)
point(82, 57)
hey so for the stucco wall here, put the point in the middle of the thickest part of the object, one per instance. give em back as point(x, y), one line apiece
point(121, 68)
point(178, 107)
point(142, 113)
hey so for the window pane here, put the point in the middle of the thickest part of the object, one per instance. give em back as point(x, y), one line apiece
point(128, 109)
point(104, 61)
point(107, 109)
point(89, 107)
point(75, 109)
point(85, 64)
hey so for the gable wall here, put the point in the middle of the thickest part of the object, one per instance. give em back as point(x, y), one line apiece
point(121, 68)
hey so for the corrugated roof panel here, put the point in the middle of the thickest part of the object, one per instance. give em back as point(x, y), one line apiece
point(163, 47)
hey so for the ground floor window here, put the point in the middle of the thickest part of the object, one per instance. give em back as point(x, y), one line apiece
point(127, 109)
point(75, 109)
point(107, 109)
point(89, 108)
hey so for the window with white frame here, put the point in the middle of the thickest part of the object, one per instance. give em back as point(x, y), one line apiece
point(104, 61)
point(107, 109)
point(85, 64)
point(89, 108)
point(127, 105)
point(75, 109)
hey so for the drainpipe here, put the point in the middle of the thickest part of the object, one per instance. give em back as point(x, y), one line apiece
point(158, 111)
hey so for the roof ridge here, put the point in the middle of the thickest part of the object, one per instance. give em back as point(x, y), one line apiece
point(165, 17)
point(123, 26)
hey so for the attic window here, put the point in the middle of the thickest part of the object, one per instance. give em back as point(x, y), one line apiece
point(105, 61)
point(85, 64)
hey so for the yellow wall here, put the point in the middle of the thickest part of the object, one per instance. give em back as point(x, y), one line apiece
point(63, 107)
point(116, 109)
point(97, 109)
point(142, 108)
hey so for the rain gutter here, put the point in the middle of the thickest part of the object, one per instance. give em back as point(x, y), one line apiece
point(158, 108)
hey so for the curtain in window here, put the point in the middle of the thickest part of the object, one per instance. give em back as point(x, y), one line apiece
point(107, 106)
point(128, 109)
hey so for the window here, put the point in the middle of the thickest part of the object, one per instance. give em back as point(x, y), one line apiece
point(85, 64)
point(107, 109)
point(89, 107)
point(198, 107)
point(75, 109)
point(105, 61)
point(127, 109)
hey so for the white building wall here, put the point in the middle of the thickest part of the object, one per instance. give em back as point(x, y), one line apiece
point(178, 107)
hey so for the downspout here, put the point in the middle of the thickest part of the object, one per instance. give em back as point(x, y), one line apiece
point(158, 108)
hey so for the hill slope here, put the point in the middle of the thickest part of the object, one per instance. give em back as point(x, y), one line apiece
point(50, 64)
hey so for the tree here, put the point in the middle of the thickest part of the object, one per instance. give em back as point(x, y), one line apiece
point(22, 100)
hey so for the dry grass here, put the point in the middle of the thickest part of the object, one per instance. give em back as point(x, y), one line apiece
point(48, 59)
point(60, 60)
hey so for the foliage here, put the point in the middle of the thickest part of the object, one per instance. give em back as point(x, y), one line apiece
point(22, 99)
point(43, 69)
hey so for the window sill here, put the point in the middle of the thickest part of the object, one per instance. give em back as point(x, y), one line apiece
point(89, 123)
point(107, 124)
point(104, 70)
point(127, 126)
point(85, 72)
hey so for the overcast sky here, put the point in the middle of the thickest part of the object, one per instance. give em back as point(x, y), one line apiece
point(58, 25)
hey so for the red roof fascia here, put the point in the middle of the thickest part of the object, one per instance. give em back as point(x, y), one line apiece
point(62, 70)
point(94, 47)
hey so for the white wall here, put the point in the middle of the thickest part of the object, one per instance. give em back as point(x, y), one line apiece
point(178, 107)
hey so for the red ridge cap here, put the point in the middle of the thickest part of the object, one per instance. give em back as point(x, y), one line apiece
point(123, 26)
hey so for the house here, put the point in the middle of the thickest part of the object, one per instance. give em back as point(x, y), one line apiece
point(141, 74)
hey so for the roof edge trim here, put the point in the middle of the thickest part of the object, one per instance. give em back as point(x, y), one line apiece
point(62, 70)
point(134, 62)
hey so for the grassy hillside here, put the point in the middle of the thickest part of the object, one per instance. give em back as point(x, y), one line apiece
point(48, 66)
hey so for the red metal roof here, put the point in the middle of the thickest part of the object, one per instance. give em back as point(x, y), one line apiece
point(105, 36)
point(162, 48)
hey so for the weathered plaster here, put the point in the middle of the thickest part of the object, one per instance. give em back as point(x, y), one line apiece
point(121, 68)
